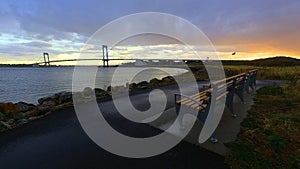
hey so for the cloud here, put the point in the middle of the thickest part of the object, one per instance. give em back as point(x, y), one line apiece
point(63, 26)
point(38, 44)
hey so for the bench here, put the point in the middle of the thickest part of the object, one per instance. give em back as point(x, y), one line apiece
point(201, 102)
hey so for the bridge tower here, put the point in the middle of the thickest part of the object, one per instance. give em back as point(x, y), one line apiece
point(46, 59)
point(105, 56)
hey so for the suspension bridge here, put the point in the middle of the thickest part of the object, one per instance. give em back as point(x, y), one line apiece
point(105, 60)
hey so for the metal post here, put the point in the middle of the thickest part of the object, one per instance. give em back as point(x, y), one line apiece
point(46, 59)
point(229, 97)
point(247, 83)
point(105, 56)
point(177, 108)
point(240, 88)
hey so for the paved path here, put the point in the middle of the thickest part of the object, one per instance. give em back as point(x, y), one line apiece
point(57, 141)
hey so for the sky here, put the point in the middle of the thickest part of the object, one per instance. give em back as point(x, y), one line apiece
point(251, 28)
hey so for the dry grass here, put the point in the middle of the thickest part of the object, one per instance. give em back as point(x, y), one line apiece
point(267, 73)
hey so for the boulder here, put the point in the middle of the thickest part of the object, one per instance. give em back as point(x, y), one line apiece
point(8, 107)
point(23, 107)
point(65, 97)
point(33, 118)
point(133, 86)
point(21, 122)
point(118, 89)
point(168, 79)
point(49, 103)
point(154, 82)
point(19, 116)
point(100, 93)
point(31, 113)
point(62, 106)
point(78, 98)
point(46, 106)
point(41, 100)
point(98, 90)
point(87, 92)
point(5, 125)
point(53, 98)
point(142, 85)
point(83, 97)
point(10, 121)
point(48, 113)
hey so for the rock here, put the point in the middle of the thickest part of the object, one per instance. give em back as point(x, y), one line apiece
point(8, 107)
point(21, 122)
point(19, 116)
point(33, 118)
point(77, 97)
point(46, 106)
point(23, 107)
point(41, 100)
point(31, 113)
point(43, 109)
point(81, 98)
point(62, 106)
point(49, 103)
point(65, 97)
point(10, 121)
point(53, 98)
point(87, 92)
point(133, 86)
point(4, 124)
point(118, 89)
point(98, 90)
point(142, 85)
point(100, 93)
point(48, 113)
point(109, 88)
point(168, 79)
point(154, 82)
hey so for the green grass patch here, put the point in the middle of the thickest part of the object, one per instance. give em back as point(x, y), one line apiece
point(269, 135)
point(271, 90)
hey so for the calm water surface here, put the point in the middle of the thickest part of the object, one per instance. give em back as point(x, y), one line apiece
point(29, 84)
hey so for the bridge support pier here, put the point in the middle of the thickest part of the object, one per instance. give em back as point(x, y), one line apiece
point(105, 56)
point(46, 59)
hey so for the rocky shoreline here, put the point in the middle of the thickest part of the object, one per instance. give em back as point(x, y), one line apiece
point(13, 115)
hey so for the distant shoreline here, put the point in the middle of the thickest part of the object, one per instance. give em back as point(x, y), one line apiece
point(271, 61)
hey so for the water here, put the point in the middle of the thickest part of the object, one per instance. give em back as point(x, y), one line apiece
point(29, 84)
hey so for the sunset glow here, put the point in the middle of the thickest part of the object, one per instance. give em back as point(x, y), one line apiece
point(253, 29)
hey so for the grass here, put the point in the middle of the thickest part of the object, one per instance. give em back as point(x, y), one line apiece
point(291, 73)
point(269, 136)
